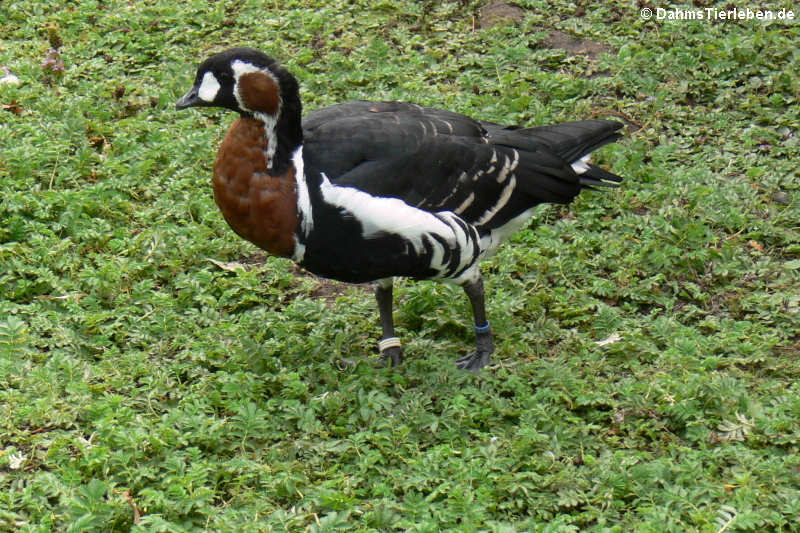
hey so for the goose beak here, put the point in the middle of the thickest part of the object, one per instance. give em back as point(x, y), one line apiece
point(188, 100)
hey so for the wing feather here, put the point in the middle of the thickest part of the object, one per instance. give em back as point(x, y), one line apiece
point(439, 160)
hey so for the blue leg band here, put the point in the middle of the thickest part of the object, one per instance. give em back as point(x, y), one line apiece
point(482, 329)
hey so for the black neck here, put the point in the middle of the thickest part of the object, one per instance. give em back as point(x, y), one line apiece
point(289, 129)
point(289, 136)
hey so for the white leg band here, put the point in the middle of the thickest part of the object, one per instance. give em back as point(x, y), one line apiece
point(390, 342)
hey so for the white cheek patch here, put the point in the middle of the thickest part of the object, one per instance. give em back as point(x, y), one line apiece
point(208, 88)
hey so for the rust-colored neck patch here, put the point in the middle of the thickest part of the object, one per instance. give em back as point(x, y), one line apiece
point(259, 92)
point(258, 206)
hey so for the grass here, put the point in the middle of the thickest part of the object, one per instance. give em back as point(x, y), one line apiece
point(145, 387)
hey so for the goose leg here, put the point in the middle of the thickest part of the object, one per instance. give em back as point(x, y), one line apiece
point(391, 350)
point(483, 334)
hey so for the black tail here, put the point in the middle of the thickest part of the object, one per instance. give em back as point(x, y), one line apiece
point(574, 140)
point(598, 177)
point(570, 141)
point(551, 156)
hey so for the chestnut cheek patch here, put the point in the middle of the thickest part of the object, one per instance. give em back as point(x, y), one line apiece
point(259, 92)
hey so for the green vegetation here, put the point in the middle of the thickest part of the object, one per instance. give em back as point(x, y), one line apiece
point(158, 374)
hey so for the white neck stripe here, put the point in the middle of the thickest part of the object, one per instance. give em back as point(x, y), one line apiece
point(240, 68)
point(303, 203)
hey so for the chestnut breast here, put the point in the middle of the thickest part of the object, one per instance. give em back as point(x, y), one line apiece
point(258, 206)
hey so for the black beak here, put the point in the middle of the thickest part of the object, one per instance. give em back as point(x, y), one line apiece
point(188, 100)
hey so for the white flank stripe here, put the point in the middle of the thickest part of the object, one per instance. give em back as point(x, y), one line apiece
point(581, 165)
point(377, 214)
point(303, 204)
point(463, 239)
point(501, 202)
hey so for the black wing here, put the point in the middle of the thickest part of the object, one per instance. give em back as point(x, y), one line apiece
point(438, 160)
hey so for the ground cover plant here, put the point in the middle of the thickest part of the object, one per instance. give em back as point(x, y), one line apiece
point(157, 373)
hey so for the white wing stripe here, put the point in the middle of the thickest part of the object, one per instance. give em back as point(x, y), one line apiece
point(501, 202)
point(465, 204)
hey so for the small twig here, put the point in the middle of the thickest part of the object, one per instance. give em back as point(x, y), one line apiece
point(53, 174)
point(77, 295)
point(619, 114)
point(43, 429)
point(731, 514)
point(137, 515)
